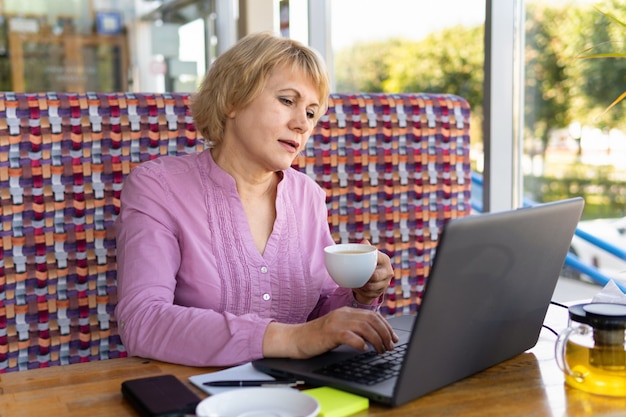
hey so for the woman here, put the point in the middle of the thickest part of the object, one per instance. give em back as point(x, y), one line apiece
point(220, 254)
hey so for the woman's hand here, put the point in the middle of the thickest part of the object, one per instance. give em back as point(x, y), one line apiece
point(378, 283)
point(345, 326)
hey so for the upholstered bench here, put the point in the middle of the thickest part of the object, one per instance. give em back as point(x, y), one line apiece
point(395, 168)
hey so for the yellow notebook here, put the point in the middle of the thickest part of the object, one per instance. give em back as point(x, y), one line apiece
point(336, 403)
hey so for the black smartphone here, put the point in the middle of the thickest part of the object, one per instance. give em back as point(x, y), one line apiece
point(160, 396)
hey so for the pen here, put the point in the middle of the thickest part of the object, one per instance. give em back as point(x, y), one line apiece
point(253, 383)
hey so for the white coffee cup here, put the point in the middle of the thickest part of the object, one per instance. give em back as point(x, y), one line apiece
point(351, 265)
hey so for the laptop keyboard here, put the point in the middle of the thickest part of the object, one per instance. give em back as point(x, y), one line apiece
point(367, 368)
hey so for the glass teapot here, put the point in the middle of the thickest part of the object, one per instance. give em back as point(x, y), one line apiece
point(591, 352)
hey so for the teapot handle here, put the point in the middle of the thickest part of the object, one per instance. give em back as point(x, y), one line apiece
point(559, 350)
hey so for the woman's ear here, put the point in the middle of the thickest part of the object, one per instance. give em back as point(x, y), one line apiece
point(230, 112)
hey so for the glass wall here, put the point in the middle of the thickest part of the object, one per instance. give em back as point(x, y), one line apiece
point(574, 144)
point(574, 121)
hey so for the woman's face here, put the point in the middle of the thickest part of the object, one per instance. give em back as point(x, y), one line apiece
point(269, 133)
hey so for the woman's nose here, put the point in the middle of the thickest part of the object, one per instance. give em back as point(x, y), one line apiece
point(300, 121)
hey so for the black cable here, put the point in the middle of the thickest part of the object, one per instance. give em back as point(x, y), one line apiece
point(558, 304)
point(548, 327)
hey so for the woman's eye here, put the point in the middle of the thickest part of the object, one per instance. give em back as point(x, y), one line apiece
point(310, 114)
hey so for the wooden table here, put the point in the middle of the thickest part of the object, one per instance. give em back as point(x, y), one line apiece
point(528, 385)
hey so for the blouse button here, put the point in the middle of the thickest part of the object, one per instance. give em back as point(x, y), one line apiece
point(266, 297)
point(264, 270)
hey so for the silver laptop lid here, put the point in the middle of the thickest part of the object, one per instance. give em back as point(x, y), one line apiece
point(488, 292)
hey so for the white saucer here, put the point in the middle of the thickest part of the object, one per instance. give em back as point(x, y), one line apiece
point(259, 402)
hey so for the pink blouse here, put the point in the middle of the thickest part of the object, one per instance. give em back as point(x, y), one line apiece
point(192, 287)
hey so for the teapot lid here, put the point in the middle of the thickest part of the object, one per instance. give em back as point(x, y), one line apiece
point(599, 315)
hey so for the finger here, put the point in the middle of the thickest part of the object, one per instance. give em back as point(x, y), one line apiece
point(377, 287)
point(347, 324)
point(367, 294)
point(391, 336)
point(369, 336)
point(387, 333)
point(380, 275)
point(394, 335)
point(372, 293)
point(356, 341)
point(378, 333)
point(369, 327)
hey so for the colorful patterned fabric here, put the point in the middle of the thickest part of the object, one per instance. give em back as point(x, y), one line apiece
point(395, 168)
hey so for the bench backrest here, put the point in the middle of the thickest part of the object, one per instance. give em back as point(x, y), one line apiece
point(395, 168)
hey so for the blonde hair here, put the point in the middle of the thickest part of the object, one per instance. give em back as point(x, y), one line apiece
point(239, 75)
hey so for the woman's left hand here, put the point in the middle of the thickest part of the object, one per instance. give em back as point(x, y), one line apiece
point(378, 283)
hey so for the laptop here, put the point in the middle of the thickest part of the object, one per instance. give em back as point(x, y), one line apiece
point(485, 301)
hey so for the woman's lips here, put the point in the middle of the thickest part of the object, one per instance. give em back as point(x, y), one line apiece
point(290, 145)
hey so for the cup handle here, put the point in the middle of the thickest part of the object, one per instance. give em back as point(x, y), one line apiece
point(559, 351)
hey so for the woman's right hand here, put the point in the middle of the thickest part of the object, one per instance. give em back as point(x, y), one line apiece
point(344, 326)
